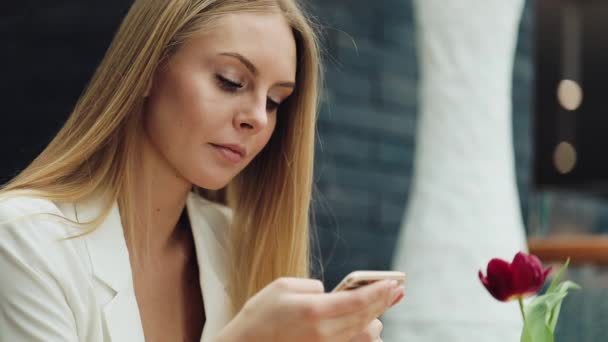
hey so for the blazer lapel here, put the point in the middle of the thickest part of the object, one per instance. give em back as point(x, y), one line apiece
point(112, 272)
point(209, 227)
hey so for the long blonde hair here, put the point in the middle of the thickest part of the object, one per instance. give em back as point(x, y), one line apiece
point(96, 149)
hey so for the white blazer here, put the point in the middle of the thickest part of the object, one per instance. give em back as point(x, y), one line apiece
point(81, 289)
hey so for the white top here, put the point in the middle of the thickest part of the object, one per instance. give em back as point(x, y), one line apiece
point(52, 289)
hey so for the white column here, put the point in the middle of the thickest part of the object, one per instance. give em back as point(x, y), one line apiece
point(464, 207)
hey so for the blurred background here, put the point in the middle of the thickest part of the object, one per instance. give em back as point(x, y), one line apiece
point(368, 125)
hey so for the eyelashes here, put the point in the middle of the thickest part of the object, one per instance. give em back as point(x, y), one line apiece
point(232, 87)
point(271, 105)
point(227, 84)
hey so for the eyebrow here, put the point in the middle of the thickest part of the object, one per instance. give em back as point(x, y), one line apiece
point(252, 67)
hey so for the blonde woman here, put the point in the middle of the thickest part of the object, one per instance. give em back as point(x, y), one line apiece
point(173, 205)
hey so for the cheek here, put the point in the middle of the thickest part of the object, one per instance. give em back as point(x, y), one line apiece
point(203, 108)
point(264, 136)
point(181, 105)
point(163, 132)
point(172, 115)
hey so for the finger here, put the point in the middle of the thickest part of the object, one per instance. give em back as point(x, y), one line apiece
point(300, 285)
point(358, 321)
point(348, 302)
point(355, 323)
point(396, 296)
point(398, 299)
point(379, 307)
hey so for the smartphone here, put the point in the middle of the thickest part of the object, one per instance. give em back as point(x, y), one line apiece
point(357, 279)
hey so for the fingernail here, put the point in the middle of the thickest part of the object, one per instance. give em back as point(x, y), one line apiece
point(393, 283)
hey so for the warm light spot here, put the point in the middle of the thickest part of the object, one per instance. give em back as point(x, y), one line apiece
point(564, 157)
point(569, 94)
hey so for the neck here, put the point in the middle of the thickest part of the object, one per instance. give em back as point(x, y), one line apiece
point(161, 194)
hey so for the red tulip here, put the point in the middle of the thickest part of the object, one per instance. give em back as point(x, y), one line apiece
point(519, 279)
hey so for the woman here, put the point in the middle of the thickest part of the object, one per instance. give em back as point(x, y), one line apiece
point(173, 204)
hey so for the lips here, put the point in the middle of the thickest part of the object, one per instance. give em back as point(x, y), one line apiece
point(231, 152)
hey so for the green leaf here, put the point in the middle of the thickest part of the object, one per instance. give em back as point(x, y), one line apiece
point(558, 276)
point(542, 313)
point(536, 333)
point(536, 328)
point(562, 290)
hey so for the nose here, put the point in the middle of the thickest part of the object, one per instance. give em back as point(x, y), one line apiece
point(252, 117)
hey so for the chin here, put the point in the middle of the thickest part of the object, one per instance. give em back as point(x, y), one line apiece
point(213, 187)
point(212, 183)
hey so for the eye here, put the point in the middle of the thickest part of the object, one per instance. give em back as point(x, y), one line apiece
point(227, 84)
point(271, 105)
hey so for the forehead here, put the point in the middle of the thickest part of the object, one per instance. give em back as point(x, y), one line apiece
point(265, 39)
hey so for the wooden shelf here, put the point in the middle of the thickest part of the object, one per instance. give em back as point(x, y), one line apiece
point(581, 249)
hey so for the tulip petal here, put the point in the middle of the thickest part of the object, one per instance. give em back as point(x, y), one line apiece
point(528, 274)
point(524, 273)
point(484, 280)
point(542, 273)
point(498, 281)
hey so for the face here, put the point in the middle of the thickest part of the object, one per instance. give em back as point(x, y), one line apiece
point(213, 108)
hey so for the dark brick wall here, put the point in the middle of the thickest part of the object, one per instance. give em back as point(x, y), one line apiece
point(366, 127)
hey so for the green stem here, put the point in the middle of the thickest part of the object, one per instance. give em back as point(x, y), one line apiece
point(521, 307)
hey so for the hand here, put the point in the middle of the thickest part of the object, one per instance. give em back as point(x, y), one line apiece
point(374, 329)
point(372, 334)
point(298, 310)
